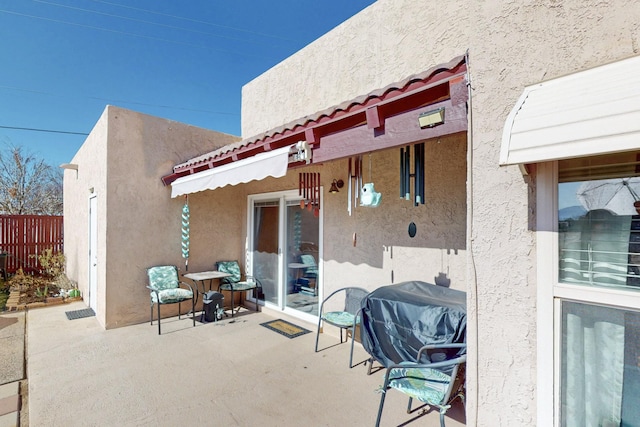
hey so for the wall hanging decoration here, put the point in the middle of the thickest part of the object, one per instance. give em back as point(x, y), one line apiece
point(309, 190)
point(185, 232)
point(412, 230)
point(369, 197)
point(418, 173)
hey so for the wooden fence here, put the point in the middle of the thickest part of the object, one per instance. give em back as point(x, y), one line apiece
point(23, 237)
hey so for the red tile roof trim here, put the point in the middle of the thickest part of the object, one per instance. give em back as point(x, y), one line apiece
point(346, 115)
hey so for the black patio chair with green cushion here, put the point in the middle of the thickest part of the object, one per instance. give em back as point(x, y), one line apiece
point(437, 379)
point(234, 282)
point(347, 317)
point(166, 289)
point(312, 270)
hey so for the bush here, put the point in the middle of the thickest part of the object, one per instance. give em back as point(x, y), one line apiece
point(34, 288)
point(52, 263)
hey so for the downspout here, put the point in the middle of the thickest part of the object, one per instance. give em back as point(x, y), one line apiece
point(472, 416)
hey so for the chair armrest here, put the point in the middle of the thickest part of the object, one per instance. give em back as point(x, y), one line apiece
point(433, 365)
point(357, 318)
point(439, 347)
point(413, 365)
point(334, 293)
point(254, 279)
point(185, 284)
point(155, 291)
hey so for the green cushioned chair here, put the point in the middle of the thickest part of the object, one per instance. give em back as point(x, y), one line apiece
point(166, 289)
point(436, 380)
point(347, 317)
point(234, 283)
point(312, 270)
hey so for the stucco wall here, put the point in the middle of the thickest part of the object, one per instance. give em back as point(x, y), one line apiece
point(511, 44)
point(384, 252)
point(139, 225)
point(89, 179)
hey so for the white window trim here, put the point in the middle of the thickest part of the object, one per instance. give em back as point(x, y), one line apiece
point(546, 238)
point(550, 293)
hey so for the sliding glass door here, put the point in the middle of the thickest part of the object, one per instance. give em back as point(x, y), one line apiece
point(284, 252)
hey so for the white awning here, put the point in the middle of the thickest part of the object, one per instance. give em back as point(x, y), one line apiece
point(591, 112)
point(272, 163)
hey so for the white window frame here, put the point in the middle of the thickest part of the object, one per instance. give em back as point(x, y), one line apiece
point(550, 293)
point(283, 197)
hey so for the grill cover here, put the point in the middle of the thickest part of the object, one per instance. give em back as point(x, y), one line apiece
point(397, 320)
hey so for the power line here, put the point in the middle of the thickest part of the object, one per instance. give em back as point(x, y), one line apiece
point(173, 27)
point(122, 101)
point(44, 130)
point(195, 20)
point(236, 52)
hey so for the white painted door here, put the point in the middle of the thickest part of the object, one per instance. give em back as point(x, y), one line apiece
point(93, 253)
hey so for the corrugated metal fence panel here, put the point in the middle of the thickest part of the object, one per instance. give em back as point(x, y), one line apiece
point(24, 237)
point(591, 112)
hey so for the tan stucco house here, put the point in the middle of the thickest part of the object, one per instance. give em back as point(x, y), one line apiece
point(523, 113)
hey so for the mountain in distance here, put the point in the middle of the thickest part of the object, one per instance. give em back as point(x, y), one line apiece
point(571, 212)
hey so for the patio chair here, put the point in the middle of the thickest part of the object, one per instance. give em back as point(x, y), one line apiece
point(436, 379)
point(234, 283)
point(311, 271)
point(345, 319)
point(3, 265)
point(166, 289)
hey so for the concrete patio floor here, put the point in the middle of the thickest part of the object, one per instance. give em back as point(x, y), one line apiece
point(233, 372)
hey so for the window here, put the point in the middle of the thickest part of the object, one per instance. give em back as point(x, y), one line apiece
point(597, 291)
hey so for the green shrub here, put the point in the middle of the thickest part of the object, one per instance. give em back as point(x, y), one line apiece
point(52, 263)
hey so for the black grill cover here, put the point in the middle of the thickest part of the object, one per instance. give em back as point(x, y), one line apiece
point(399, 319)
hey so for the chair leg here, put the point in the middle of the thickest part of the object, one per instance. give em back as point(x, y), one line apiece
point(159, 319)
point(193, 311)
point(409, 405)
point(232, 313)
point(384, 393)
point(318, 331)
point(151, 314)
point(353, 338)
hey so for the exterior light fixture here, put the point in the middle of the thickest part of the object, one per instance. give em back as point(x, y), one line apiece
point(431, 118)
point(335, 185)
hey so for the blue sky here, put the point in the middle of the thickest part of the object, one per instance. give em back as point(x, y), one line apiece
point(63, 61)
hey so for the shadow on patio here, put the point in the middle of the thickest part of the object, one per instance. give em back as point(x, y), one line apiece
point(233, 372)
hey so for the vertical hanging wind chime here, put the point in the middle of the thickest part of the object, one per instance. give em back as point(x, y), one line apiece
point(185, 232)
point(418, 173)
point(309, 190)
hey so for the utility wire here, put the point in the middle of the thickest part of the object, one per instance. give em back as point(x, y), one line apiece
point(171, 107)
point(44, 130)
point(195, 20)
point(134, 35)
point(173, 27)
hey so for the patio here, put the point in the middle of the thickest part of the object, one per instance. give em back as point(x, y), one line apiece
point(233, 372)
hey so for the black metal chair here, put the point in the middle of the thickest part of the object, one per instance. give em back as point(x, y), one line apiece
point(233, 283)
point(165, 289)
point(346, 319)
point(434, 381)
point(3, 265)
